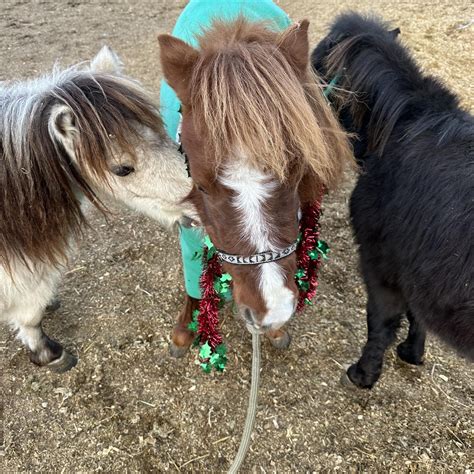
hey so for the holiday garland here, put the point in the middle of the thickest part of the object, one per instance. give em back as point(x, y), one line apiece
point(216, 287)
point(309, 254)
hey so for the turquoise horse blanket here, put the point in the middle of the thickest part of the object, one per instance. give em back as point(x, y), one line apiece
point(194, 19)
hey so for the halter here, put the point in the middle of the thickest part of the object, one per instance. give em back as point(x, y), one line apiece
point(216, 285)
point(331, 86)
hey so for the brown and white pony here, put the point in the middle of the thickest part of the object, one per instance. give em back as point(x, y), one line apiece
point(261, 142)
point(66, 140)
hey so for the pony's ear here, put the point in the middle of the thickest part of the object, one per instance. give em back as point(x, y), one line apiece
point(177, 60)
point(394, 33)
point(294, 44)
point(63, 128)
point(107, 61)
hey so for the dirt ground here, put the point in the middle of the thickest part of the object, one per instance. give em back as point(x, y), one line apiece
point(128, 406)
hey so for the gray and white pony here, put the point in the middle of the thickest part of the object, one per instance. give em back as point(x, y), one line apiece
point(67, 140)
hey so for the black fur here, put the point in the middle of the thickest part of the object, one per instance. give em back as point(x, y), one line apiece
point(412, 209)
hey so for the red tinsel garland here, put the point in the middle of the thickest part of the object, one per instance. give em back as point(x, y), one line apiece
point(208, 319)
point(309, 229)
point(308, 260)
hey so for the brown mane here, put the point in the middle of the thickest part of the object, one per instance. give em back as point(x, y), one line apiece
point(39, 184)
point(247, 94)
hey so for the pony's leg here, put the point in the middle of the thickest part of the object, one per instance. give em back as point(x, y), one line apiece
point(26, 318)
point(279, 338)
point(182, 337)
point(412, 349)
point(26, 296)
point(384, 311)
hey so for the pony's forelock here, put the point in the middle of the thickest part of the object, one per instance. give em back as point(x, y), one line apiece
point(40, 181)
point(246, 95)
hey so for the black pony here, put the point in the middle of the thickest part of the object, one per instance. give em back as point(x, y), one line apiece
point(412, 209)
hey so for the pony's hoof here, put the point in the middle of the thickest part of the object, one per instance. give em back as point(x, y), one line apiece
point(63, 364)
point(53, 305)
point(347, 382)
point(408, 355)
point(357, 378)
point(181, 340)
point(280, 339)
point(178, 351)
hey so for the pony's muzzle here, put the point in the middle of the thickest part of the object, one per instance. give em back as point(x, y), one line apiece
point(253, 324)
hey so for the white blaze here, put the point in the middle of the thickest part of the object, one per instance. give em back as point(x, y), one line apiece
point(252, 189)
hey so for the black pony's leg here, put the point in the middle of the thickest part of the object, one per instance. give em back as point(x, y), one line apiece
point(413, 348)
point(384, 311)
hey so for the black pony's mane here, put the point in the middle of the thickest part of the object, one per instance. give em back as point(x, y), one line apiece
point(370, 59)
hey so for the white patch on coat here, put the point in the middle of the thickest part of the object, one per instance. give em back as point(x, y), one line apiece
point(24, 294)
point(252, 189)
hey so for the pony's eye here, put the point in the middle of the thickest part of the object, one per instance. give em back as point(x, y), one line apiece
point(122, 170)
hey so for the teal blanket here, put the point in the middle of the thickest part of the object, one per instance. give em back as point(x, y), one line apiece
point(197, 15)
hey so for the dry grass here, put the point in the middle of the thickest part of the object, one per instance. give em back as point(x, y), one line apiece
point(128, 407)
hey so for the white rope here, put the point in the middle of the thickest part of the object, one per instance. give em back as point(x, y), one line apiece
point(252, 407)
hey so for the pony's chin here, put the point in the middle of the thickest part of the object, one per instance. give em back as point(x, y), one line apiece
point(276, 319)
point(273, 321)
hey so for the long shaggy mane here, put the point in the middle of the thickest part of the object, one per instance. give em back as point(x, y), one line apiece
point(246, 94)
point(389, 87)
point(39, 183)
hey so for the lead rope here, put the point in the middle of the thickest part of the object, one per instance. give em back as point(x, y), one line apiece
point(215, 285)
point(252, 406)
